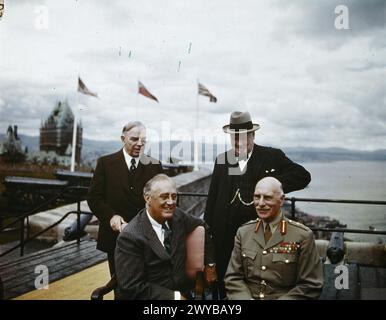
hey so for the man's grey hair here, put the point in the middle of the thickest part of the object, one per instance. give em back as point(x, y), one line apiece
point(159, 177)
point(130, 125)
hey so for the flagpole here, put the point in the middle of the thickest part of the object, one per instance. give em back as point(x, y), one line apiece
point(137, 101)
point(196, 134)
point(74, 132)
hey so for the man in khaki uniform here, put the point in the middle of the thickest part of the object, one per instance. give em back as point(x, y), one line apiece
point(273, 257)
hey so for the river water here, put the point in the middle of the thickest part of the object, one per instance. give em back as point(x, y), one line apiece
point(356, 180)
point(347, 180)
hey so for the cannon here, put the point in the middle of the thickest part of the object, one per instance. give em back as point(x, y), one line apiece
point(335, 249)
point(72, 233)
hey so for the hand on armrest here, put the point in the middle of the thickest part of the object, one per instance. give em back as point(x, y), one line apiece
point(210, 273)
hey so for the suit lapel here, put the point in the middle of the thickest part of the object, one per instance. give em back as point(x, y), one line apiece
point(177, 229)
point(121, 170)
point(141, 165)
point(256, 161)
point(150, 234)
point(232, 170)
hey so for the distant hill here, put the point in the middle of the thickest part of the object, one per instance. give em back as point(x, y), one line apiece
point(92, 149)
point(305, 154)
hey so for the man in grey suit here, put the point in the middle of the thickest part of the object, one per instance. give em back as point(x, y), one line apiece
point(151, 250)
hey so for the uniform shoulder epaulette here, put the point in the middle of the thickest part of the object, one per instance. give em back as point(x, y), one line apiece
point(250, 222)
point(298, 224)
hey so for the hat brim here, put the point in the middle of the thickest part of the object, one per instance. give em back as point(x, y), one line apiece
point(227, 129)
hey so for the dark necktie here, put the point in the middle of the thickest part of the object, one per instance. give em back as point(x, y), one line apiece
point(133, 167)
point(267, 233)
point(167, 237)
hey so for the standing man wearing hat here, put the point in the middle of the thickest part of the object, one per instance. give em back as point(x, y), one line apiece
point(235, 174)
point(116, 191)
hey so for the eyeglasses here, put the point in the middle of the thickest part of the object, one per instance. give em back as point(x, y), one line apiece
point(136, 139)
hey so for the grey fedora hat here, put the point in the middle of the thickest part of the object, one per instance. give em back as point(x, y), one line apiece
point(240, 121)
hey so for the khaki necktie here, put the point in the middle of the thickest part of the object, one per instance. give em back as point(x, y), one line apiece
point(267, 233)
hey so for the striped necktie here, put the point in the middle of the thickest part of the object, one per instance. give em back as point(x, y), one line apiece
point(133, 167)
point(167, 237)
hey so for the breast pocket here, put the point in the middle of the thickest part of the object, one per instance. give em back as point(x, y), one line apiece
point(286, 266)
point(250, 263)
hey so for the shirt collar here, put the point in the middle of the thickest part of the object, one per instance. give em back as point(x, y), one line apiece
point(273, 224)
point(154, 223)
point(129, 157)
point(248, 156)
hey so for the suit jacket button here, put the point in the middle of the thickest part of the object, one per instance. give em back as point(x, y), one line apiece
point(263, 268)
point(265, 252)
point(131, 188)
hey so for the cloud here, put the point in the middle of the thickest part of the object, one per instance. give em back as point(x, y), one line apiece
point(315, 21)
point(304, 81)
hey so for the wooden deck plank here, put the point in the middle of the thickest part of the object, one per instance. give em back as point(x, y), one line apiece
point(25, 282)
point(19, 276)
point(47, 254)
point(75, 287)
point(56, 262)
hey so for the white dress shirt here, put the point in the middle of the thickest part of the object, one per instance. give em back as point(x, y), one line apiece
point(128, 159)
point(157, 227)
point(243, 163)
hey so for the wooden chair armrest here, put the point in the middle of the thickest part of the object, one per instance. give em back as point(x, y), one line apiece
point(1, 290)
point(98, 293)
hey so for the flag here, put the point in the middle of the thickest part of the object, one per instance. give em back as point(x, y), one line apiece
point(202, 90)
point(142, 90)
point(83, 89)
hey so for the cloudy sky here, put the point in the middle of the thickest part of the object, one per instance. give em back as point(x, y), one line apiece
point(306, 82)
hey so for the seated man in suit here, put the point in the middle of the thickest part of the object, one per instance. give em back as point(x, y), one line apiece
point(151, 250)
point(273, 257)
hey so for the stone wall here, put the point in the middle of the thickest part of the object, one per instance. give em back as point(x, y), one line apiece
point(197, 181)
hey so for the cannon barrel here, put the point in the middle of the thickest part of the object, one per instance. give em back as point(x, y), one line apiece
point(335, 249)
point(71, 232)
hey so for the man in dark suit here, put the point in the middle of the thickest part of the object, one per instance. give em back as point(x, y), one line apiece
point(151, 250)
point(115, 195)
point(235, 174)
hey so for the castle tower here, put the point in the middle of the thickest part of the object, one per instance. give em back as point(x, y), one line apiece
point(56, 132)
point(11, 149)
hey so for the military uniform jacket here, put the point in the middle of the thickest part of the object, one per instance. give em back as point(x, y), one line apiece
point(287, 267)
